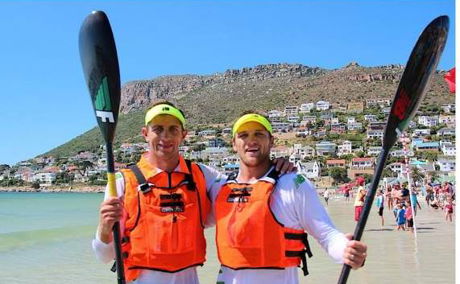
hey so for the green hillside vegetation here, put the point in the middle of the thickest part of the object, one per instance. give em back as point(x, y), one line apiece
point(220, 98)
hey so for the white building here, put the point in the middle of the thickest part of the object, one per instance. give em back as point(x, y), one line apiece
point(351, 119)
point(311, 170)
point(291, 110)
point(375, 134)
point(446, 165)
point(420, 132)
point(293, 118)
point(275, 113)
point(344, 148)
point(45, 177)
point(354, 126)
point(448, 149)
point(428, 121)
point(306, 108)
point(374, 150)
point(322, 105)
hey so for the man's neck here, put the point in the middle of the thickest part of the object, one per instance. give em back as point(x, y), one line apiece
point(248, 174)
point(167, 165)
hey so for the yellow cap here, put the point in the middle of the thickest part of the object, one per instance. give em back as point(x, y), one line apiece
point(164, 109)
point(252, 117)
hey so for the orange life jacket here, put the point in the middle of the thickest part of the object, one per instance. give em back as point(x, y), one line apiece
point(247, 232)
point(166, 213)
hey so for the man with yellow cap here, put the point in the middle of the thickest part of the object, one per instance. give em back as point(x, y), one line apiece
point(262, 220)
point(162, 206)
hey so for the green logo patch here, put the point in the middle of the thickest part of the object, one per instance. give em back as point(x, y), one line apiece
point(103, 97)
point(298, 180)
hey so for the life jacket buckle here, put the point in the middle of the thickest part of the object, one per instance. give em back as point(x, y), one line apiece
point(145, 187)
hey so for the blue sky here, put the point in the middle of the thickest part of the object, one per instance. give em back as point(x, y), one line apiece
point(44, 100)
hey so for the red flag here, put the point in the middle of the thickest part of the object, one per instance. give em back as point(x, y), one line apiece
point(450, 79)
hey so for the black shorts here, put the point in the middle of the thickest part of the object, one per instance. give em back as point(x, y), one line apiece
point(381, 211)
point(410, 223)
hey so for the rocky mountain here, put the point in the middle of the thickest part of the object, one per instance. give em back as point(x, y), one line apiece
point(221, 97)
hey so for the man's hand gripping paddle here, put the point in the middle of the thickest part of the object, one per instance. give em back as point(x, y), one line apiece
point(411, 90)
point(99, 60)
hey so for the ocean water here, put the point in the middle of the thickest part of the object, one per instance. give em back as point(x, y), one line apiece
point(46, 238)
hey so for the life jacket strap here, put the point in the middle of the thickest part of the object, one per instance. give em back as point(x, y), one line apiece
point(143, 186)
point(189, 177)
point(307, 251)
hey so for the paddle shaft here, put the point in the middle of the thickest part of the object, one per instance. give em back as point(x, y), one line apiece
point(116, 227)
point(366, 209)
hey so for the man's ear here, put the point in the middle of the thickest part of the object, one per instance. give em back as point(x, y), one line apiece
point(272, 141)
point(144, 132)
point(233, 144)
point(184, 134)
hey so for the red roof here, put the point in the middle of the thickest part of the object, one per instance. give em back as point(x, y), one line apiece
point(335, 162)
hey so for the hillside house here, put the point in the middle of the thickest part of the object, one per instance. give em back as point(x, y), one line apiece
point(427, 146)
point(306, 108)
point(366, 162)
point(420, 132)
point(306, 120)
point(448, 149)
point(428, 121)
point(371, 134)
point(281, 126)
point(356, 126)
point(446, 132)
point(351, 119)
point(291, 110)
point(275, 113)
point(46, 178)
point(336, 163)
point(322, 105)
point(448, 108)
point(345, 148)
point(325, 148)
point(374, 150)
point(310, 170)
point(370, 117)
point(447, 119)
point(446, 165)
point(280, 151)
point(338, 128)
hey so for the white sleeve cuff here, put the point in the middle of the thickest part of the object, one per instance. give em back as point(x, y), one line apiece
point(337, 246)
point(104, 252)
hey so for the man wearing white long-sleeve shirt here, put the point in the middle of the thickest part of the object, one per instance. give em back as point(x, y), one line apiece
point(262, 218)
point(162, 206)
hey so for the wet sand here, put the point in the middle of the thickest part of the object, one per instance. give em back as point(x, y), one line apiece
point(393, 256)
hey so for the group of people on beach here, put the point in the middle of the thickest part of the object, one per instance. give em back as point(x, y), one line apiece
point(262, 214)
point(404, 202)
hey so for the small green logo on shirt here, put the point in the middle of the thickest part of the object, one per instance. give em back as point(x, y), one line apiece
point(298, 180)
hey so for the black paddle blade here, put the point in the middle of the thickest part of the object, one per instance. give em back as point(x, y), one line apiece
point(414, 82)
point(419, 69)
point(99, 60)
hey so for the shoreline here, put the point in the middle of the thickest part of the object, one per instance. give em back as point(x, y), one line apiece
point(55, 189)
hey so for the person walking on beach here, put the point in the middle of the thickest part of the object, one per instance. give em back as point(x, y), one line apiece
point(380, 203)
point(409, 217)
point(389, 197)
point(346, 192)
point(162, 206)
point(262, 219)
point(359, 202)
point(414, 201)
point(400, 218)
point(449, 208)
point(326, 195)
